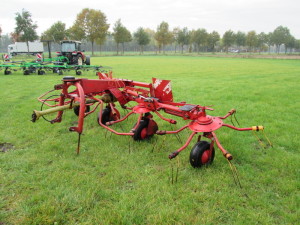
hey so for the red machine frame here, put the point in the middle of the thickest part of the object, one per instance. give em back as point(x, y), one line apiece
point(149, 98)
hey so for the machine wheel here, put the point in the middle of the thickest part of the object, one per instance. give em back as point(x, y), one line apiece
point(108, 116)
point(41, 72)
point(26, 72)
point(200, 154)
point(77, 109)
point(79, 60)
point(88, 60)
point(145, 130)
point(7, 72)
point(78, 73)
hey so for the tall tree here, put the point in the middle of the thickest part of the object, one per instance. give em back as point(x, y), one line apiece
point(0, 38)
point(200, 38)
point(163, 36)
point(240, 39)
point(183, 38)
point(5, 40)
point(25, 29)
point(127, 37)
point(212, 40)
point(251, 40)
point(280, 36)
point(121, 35)
point(228, 39)
point(262, 39)
point(76, 32)
point(297, 44)
point(117, 34)
point(290, 43)
point(57, 32)
point(151, 34)
point(175, 33)
point(90, 24)
point(269, 40)
point(142, 38)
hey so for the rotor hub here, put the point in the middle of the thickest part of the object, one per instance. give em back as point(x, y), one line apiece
point(206, 124)
point(204, 120)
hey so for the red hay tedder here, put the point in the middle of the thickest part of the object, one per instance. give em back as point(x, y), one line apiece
point(150, 98)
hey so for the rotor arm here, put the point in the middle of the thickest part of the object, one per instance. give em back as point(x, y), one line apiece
point(163, 132)
point(175, 153)
point(120, 120)
point(231, 112)
point(254, 128)
point(165, 119)
point(226, 154)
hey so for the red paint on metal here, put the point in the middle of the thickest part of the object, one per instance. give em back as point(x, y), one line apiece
point(212, 124)
point(205, 157)
point(162, 90)
point(144, 133)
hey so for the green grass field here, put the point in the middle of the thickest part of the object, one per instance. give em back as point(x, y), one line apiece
point(43, 181)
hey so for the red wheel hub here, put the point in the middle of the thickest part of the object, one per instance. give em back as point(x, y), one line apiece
point(205, 157)
point(144, 133)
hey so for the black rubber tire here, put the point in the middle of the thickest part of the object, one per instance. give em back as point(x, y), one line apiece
point(7, 72)
point(77, 108)
point(78, 73)
point(145, 123)
point(26, 72)
point(88, 60)
point(41, 72)
point(197, 152)
point(137, 133)
point(106, 116)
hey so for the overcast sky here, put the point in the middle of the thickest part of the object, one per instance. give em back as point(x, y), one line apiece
point(218, 15)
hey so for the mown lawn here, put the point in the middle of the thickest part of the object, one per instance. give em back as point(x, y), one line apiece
point(43, 181)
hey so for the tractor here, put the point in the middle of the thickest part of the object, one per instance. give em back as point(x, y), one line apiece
point(73, 53)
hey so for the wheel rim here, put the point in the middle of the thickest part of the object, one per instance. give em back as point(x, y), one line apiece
point(144, 133)
point(205, 157)
point(114, 117)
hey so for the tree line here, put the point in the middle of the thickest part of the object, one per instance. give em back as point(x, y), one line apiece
point(91, 26)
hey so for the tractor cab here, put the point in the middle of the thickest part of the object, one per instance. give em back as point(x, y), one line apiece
point(70, 46)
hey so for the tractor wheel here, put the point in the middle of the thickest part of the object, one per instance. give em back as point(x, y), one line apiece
point(7, 72)
point(108, 116)
point(26, 72)
point(145, 130)
point(88, 60)
point(78, 73)
point(79, 60)
point(200, 154)
point(77, 109)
